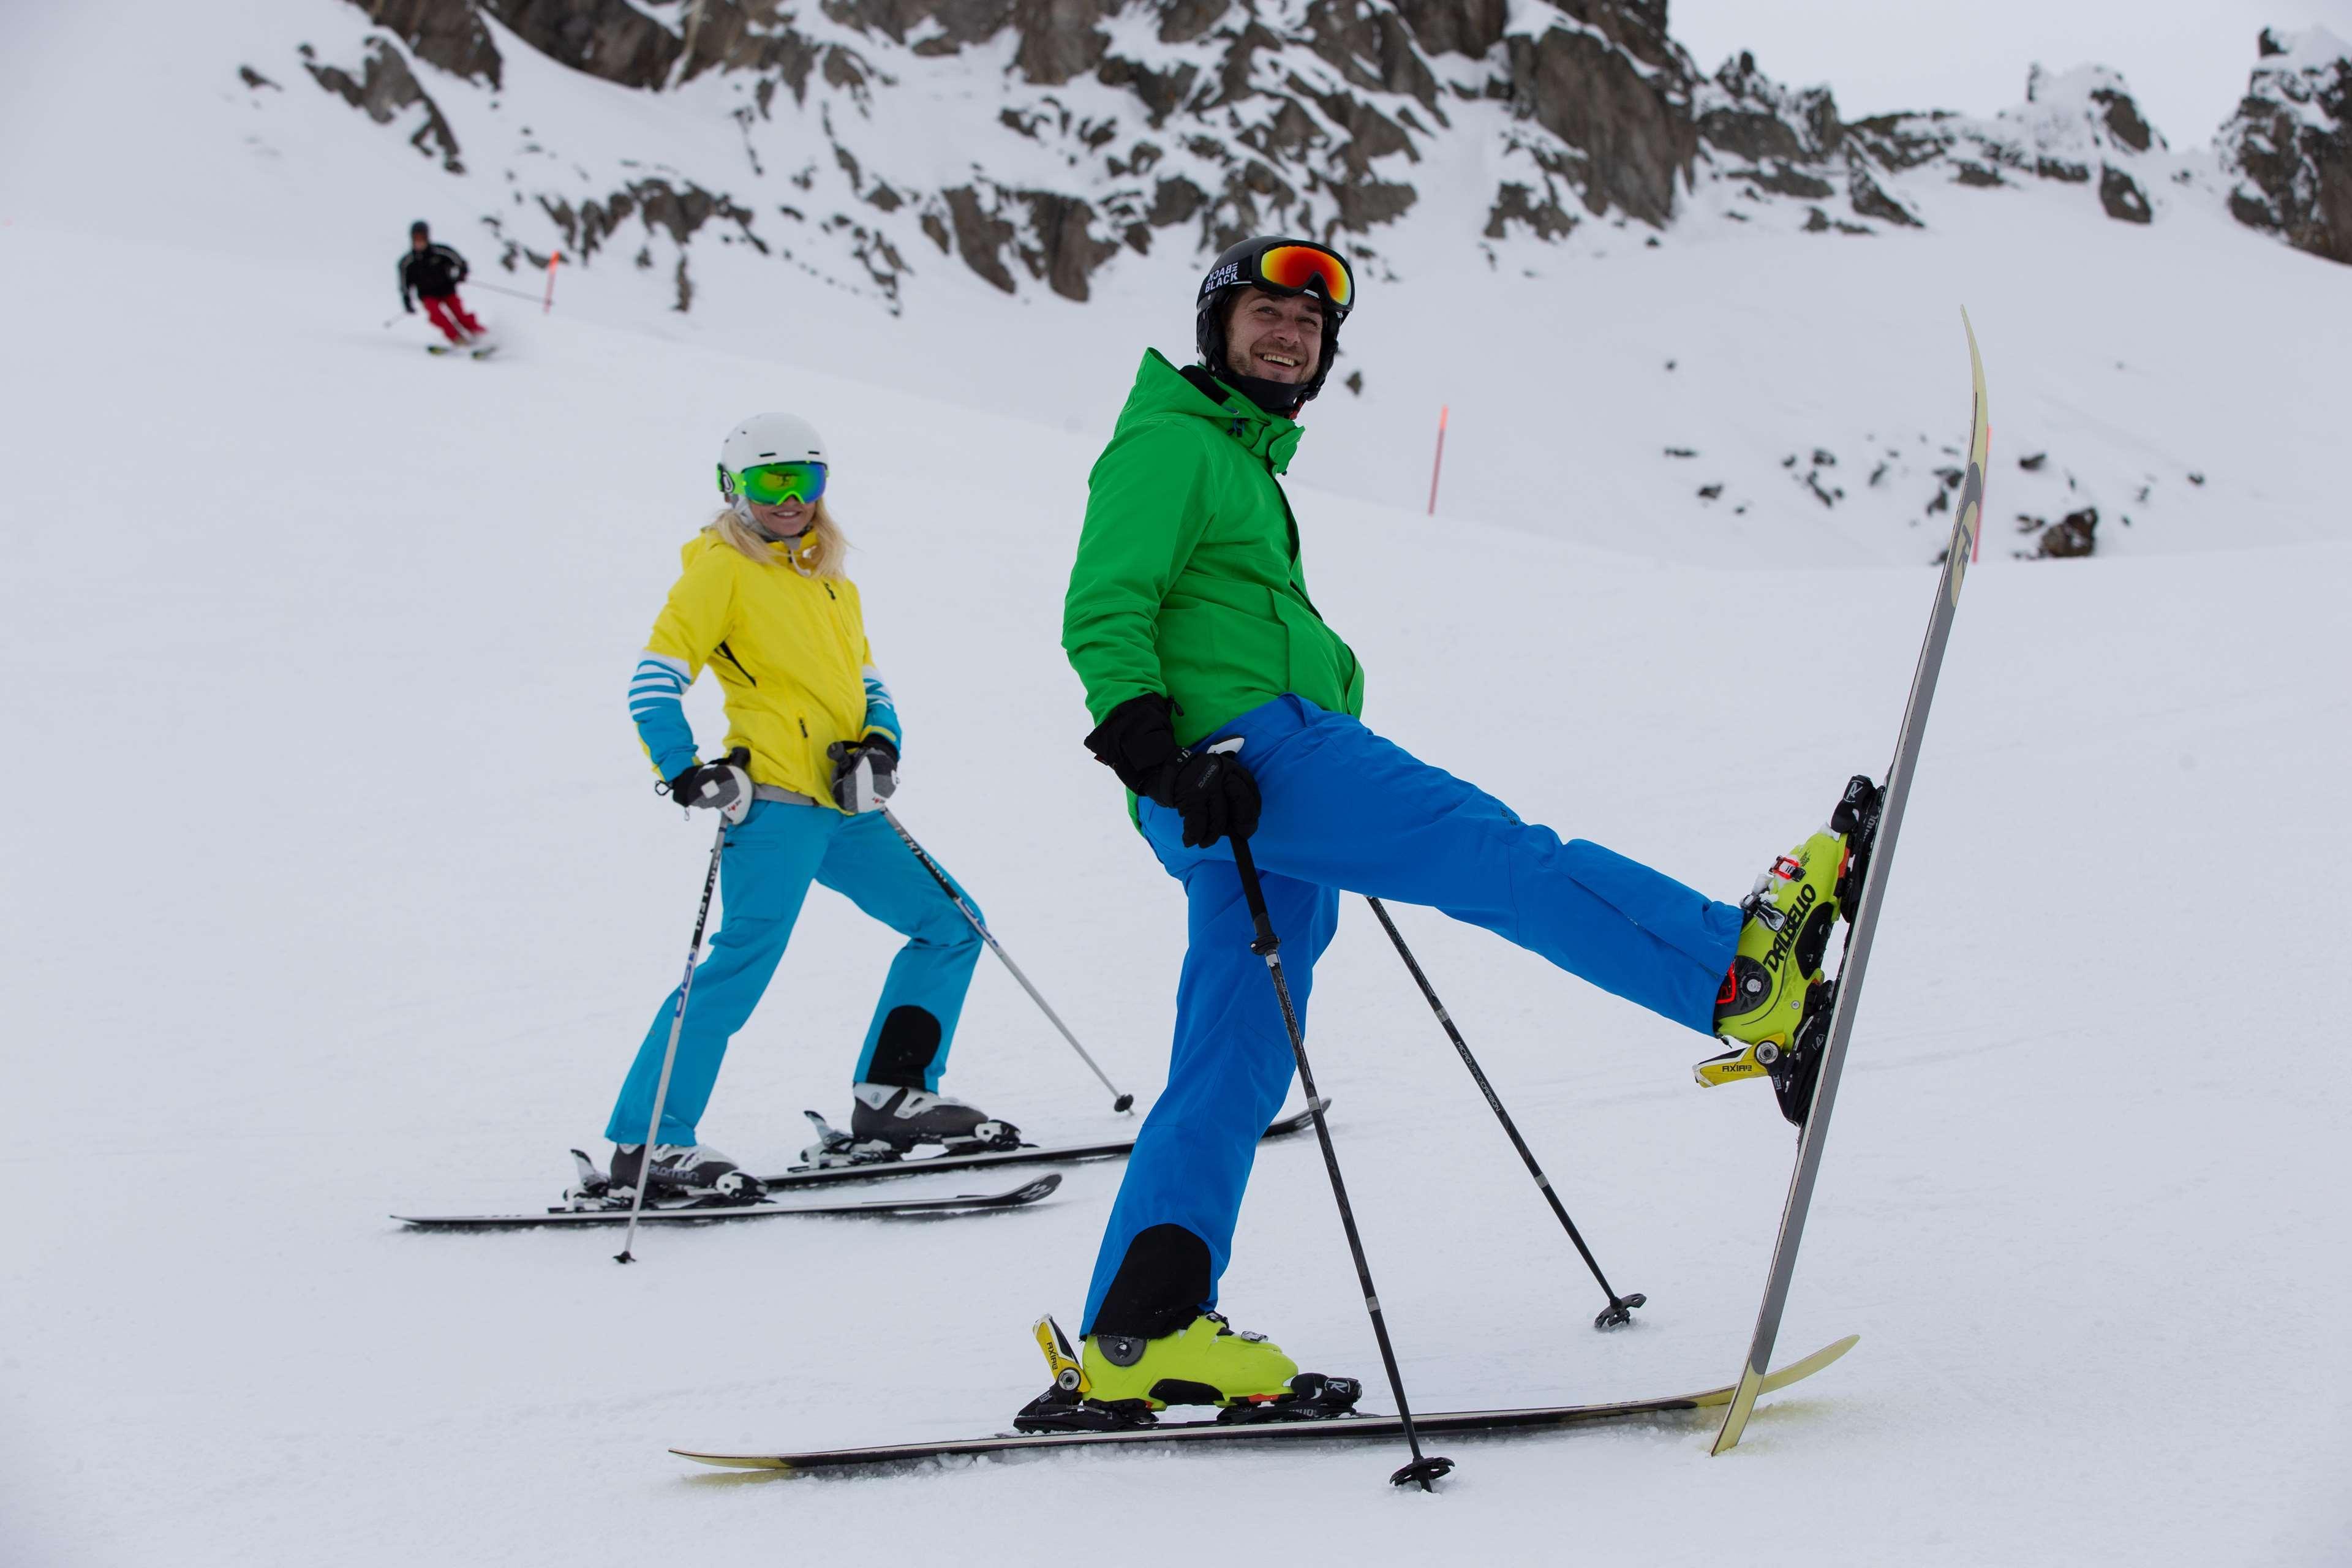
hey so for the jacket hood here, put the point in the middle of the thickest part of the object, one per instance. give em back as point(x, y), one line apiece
point(1162, 391)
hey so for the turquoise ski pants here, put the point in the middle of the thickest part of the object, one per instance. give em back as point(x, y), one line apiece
point(1345, 810)
point(764, 872)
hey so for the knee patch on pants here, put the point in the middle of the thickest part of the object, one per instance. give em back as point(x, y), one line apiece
point(903, 1051)
point(1159, 1285)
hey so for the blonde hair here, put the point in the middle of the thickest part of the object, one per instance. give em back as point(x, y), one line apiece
point(816, 553)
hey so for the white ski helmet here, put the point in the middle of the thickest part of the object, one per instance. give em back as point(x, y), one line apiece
point(765, 438)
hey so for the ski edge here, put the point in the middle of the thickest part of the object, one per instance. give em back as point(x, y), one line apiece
point(1344, 1427)
point(1028, 1192)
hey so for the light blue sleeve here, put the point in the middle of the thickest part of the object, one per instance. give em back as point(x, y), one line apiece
point(656, 693)
point(881, 713)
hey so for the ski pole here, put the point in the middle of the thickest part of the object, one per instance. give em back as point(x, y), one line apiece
point(494, 289)
point(1426, 1471)
point(670, 1055)
point(1118, 1102)
point(1619, 1311)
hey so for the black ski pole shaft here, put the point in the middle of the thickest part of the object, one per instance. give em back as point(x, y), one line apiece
point(494, 289)
point(1424, 1471)
point(1620, 1309)
point(1119, 1101)
point(669, 1055)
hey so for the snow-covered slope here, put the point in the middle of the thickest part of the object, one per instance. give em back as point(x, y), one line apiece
point(334, 887)
point(2179, 377)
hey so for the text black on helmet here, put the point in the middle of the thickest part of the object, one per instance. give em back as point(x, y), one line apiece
point(1277, 265)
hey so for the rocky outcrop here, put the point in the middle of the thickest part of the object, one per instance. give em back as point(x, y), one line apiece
point(1633, 125)
point(1776, 142)
point(1105, 126)
point(607, 38)
point(445, 34)
point(386, 87)
point(2290, 143)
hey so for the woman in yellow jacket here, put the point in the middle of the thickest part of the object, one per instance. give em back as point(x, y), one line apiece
point(763, 604)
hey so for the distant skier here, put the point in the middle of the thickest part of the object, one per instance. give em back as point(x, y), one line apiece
point(432, 272)
point(763, 602)
point(1189, 622)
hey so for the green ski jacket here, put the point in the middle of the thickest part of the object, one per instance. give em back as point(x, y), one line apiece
point(1187, 580)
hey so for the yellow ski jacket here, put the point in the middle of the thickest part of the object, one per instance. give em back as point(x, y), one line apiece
point(792, 658)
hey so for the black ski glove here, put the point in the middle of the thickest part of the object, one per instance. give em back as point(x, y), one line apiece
point(722, 785)
point(1213, 794)
point(865, 773)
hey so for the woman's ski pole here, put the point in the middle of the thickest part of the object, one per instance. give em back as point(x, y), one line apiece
point(1620, 1309)
point(1426, 1471)
point(1118, 1102)
point(670, 1055)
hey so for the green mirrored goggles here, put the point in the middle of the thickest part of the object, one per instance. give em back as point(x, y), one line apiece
point(772, 484)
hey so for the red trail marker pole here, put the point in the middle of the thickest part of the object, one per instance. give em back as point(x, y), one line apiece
point(1437, 462)
point(549, 304)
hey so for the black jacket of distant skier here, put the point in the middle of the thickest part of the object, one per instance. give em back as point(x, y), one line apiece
point(432, 273)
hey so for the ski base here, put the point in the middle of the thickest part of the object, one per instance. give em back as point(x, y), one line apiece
point(711, 1213)
point(1337, 1428)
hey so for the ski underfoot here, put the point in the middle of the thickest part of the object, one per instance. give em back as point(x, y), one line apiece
point(1324, 1429)
point(922, 1165)
point(707, 1211)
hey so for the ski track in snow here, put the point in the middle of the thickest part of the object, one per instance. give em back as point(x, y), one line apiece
point(336, 887)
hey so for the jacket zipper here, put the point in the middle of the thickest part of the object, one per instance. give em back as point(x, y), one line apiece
point(728, 655)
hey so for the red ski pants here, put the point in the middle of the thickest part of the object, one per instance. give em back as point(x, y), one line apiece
point(451, 316)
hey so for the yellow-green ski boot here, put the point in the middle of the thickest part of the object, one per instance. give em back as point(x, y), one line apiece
point(1774, 1007)
point(1120, 1381)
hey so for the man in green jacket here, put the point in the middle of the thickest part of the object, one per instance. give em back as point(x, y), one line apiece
point(1189, 621)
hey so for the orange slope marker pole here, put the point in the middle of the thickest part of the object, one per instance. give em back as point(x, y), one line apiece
point(1438, 462)
point(549, 304)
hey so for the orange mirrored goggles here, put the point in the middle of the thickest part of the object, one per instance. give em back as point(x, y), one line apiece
point(1294, 268)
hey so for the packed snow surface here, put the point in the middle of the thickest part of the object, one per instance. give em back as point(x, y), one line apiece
point(336, 887)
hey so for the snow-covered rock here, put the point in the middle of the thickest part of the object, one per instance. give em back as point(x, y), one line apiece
point(2291, 142)
point(1037, 140)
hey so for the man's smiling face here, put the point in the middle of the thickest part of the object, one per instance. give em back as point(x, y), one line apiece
point(1275, 337)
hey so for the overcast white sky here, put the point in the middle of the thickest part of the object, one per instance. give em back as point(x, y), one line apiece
point(2186, 59)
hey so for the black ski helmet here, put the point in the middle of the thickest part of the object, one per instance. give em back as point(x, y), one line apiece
point(1243, 265)
point(419, 226)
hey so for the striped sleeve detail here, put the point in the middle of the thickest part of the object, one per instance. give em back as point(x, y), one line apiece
point(657, 690)
point(881, 713)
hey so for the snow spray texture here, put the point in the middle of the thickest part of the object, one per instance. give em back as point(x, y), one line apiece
point(1345, 808)
point(792, 657)
point(770, 858)
point(1188, 580)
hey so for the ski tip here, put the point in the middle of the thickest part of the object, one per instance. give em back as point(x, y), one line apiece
point(734, 1461)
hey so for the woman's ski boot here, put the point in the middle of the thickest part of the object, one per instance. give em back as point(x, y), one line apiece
point(1122, 1381)
point(891, 1117)
point(1774, 1008)
point(695, 1172)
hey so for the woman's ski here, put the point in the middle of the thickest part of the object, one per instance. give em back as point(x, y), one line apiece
point(858, 1170)
point(713, 1213)
point(1881, 819)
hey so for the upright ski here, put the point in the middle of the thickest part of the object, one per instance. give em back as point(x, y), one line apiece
point(1881, 820)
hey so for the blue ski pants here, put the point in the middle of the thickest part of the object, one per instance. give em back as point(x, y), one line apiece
point(1345, 810)
point(764, 872)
